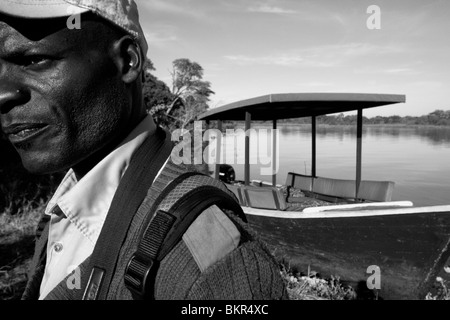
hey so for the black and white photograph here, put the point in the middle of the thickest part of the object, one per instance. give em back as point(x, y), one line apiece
point(224, 155)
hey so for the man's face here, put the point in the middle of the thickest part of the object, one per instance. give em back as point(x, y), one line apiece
point(61, 97)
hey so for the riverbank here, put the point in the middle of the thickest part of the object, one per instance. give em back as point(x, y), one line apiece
point(280, 123)
point(17, 244)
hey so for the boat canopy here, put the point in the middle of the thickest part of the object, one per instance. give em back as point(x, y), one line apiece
point(297, 105)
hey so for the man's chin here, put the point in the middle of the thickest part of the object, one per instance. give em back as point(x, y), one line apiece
point(38, 167)
point(38, 170)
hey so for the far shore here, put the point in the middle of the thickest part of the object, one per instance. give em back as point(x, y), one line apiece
point(291, 124)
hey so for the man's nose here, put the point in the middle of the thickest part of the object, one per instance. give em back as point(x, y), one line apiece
point(12, 93)
point(11, 96)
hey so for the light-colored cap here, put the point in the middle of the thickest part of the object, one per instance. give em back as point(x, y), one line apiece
point(122, 13)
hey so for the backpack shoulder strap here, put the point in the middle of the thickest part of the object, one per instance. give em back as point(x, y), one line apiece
point(180, 203)
point(133, 187)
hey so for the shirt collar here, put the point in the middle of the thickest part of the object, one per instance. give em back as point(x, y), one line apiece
point(86, 202)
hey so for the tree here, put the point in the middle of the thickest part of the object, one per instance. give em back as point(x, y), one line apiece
point(157, 96)
point(155, 91)
point(189, 87)
point(439, 117)
point(179, 106)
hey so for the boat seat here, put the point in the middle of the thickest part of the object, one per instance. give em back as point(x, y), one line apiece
point(346, 189)
point(300, 181)
point(376, 190)
point(335, 187)
point(264, 198)
point(340, 190)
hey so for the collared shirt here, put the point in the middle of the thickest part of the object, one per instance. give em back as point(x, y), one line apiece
point(78, 209)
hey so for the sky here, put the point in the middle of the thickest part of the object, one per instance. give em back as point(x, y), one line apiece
point(250, 48)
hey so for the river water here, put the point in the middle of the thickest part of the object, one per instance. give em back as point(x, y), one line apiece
point(416, 158)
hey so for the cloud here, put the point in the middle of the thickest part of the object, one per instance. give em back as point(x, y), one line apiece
point(270, 9)
point(400, 71)
point(170, 8)
point(364, 49)
point(405, 71)
point(159, 39)
point(317, 84)
point(325, 56)
point(339, 19)
point(158, 5)
point(428, 85)
point(279, 60)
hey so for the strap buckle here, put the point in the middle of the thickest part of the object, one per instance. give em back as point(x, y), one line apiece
point(138, 272)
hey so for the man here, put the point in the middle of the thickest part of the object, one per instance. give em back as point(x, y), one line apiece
point(71, 99)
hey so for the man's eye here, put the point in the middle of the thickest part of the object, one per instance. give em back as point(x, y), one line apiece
point(37, 60)
point(32, 61)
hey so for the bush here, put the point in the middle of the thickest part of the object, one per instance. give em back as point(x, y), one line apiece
point(312, 287)
point(23, 197)
point(18, 188)
point(17, 245)
point(442, 290)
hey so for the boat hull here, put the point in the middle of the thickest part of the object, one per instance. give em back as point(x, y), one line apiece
point(410, 248)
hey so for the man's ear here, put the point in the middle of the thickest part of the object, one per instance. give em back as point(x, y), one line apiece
point(128, 58)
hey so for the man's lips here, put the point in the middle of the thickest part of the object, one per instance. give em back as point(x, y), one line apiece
point(23, 131)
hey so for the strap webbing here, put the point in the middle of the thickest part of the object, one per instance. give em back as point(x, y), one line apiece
point(190, 206)
point(166, 230)
point(133, 187)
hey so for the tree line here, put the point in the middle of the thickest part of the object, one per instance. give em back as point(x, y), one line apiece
point(173, 106)
point(179, 105)
point(435, 118)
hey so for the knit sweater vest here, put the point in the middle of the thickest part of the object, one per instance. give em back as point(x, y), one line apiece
point(248, 272)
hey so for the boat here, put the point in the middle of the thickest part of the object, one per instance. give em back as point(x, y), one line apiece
point(346, 228)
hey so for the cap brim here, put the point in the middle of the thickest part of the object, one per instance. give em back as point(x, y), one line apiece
point(39, 9)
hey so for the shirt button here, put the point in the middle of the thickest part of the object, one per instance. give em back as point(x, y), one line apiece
point(58, 247)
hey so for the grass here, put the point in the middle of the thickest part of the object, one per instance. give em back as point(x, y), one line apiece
point(22, 201)
point(442, 290)
point(17, 243)
point(16, 248)
point(311, 286)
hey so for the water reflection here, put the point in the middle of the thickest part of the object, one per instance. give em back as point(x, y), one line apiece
point(433, 135)
point(415, 158)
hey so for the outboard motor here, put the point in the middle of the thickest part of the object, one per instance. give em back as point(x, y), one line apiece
point(226, 173)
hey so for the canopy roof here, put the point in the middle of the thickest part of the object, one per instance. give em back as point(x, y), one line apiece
point(297, 105)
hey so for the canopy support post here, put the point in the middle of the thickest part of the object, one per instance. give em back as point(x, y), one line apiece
point(206, 155)
point(313, 146)
point(274, 152)
point(218, 150)
point(358, 150)
point(248, 120)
